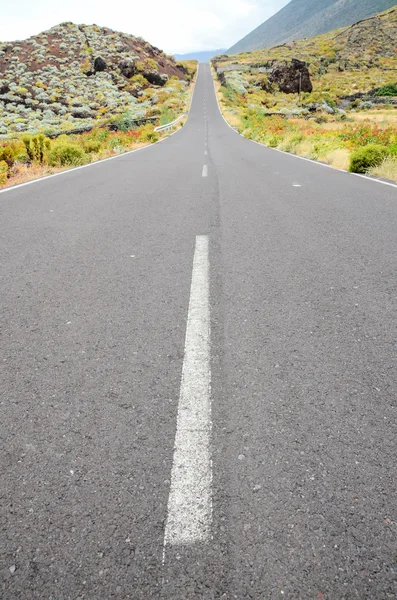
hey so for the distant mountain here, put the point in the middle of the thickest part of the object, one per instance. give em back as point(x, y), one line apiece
point(200, 56)
point(306, 18)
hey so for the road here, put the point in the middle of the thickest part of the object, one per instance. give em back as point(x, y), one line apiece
point(216, 295)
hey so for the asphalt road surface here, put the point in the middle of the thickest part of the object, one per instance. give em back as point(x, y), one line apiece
point(238, 303)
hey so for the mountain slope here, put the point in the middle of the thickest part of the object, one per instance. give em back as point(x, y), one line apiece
point(307, 18)
point(72, 75)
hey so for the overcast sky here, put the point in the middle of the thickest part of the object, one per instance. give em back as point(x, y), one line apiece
point(175, 26)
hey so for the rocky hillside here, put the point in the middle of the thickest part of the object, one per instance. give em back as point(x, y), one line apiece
point(331, 98)
point(307, 18)
point(355, 60)
point(74, 75)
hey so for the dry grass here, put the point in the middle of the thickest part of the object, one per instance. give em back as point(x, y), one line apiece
point(231, 117)
point(305, 148)
point(23, 173)
point(339, 159)
point(381, 117)
point(387, 170)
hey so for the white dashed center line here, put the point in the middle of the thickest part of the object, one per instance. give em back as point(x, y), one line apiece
point(205, 171)
point(190, 501)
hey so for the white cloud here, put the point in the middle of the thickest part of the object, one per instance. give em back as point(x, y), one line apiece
point(170, 25)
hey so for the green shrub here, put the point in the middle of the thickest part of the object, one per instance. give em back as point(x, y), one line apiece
point(392, 149)
point(36, 147)
point(91, 146)
point(167, 115)
point(370, 156)
point(3, 171)
point(273, 141)
point(101, 134)
point(124, 122)
point(389, 89)
point(148, 134)
point(139, 80)
point(7, 155)
point(11, 151)
point(67, 155)
point(151, 64)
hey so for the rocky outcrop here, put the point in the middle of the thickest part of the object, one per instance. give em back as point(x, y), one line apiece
point(99, 64)
point(221, 77)
point(291, 78)
point(127, 67)
point(155, 78)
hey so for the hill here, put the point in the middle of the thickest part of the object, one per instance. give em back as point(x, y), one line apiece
point(306, 18)
point(352, 60)
point(71, 76)
point(200, 56)
point(323, 98)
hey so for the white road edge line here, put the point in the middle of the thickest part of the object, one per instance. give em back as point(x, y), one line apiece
point(314, 162)
point(189, 511)
point(98, 162)
point(205, 171)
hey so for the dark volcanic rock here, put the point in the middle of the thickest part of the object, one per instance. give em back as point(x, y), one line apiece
point(221, 77)
point(99, 64)
point(127, 67)
point(292, 77)
point(154, 77)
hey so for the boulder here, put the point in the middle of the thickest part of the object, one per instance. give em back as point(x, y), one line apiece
point(127, 67)
point(327, 108)
point(291, 78)
point(221, 77)
point(99, 64)
point(154, 77)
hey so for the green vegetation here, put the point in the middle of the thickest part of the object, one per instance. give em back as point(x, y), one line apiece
point(387, 90)
point(189, 67)
point(27, 156)
point(20, 157)
point(352, 104)
point(7, 155)
point(36, 147)
point(65, 154)
point(3, 171)
point(77, 94)
point(364, 159)
point(148, 134)
point(75, 77)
